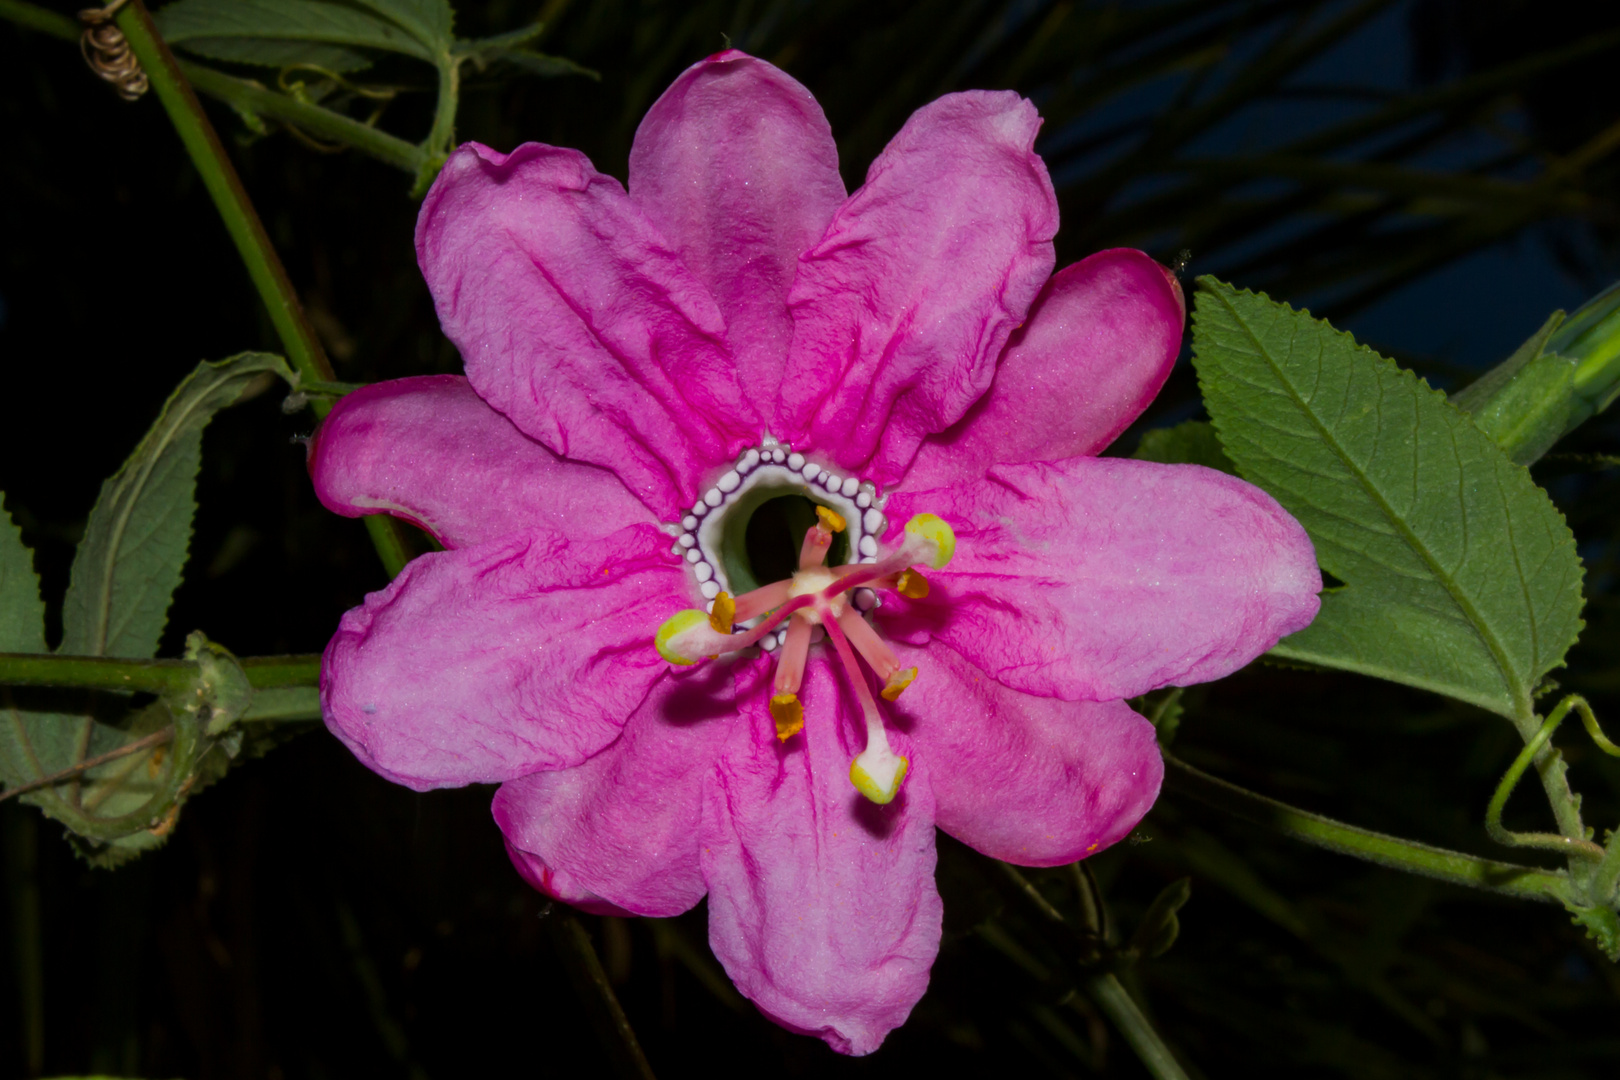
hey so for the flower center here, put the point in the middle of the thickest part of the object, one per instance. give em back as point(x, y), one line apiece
point(745, 530)
point(816, 595)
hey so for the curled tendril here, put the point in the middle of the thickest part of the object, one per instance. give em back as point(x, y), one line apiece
point(1570, 845)
point(108, 53)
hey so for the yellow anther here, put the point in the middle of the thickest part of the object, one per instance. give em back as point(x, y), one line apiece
point(932, 527)
point(675, 624)
point(911, 584)
point(890, 770)
point(831, 520)
point(898, 682)
point(725, 610)
point(788, 714)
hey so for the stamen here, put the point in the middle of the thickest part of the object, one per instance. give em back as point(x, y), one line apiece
point(813, 553)
point(686, 636)
point(788, 714)
point(898, 682)
point(874, 649)
point(723, 613)
point(932, 542)
point(877, 772)
point(790, 669)
point(830, 520)
point(762, 599)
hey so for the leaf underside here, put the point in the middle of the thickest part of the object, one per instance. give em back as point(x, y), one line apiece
point(1461, 576)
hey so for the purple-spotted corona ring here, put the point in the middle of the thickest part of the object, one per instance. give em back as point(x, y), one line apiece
point(776, 536)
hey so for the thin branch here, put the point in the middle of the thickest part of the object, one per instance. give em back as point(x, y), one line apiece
point(1526, 882)
point(148, 676)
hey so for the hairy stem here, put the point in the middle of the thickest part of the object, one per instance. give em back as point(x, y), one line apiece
point(150, 676)
point(1527, 882)
point(1573, 841)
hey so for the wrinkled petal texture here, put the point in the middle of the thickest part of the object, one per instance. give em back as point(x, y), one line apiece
point(576, 320)
point(1032, 780)
point(902, 310)
point(430, 451)
point(735, 166)
point(1100, 341)
point(623, 826)
point(485, 663)
point(1102, 578)
point(822, 905)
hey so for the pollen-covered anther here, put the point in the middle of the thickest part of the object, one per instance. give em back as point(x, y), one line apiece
point(898, 682)
point(831, 520)
point(910, 584)
point(723, 613)
point(788, 713)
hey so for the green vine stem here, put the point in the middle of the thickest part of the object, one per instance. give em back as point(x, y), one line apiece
point(1118, 1005)
point(1526, 882)
point(1576, 846)
point(202, 143)
point(149, 676)
point(168, 79)
point(247, 96)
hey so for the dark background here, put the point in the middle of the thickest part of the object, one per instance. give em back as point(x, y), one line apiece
point(310, 920)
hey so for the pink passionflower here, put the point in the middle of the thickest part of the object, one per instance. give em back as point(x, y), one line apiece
point(648, 374)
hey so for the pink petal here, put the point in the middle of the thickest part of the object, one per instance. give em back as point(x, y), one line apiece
point(622, 828)
point(903, 308)
point(558, 884)
point(577, 321)
point(1101, 578)
point(488, 662)
point(1100, 341)
point(430, 451)
point(822, 906)
point(1032, 780)
point(737, 168)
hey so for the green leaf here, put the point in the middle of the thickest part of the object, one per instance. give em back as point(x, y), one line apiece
point(128, 564)
point(1461, 576)
point(22, 612)
point(431, 22)
point(1525, 402)
point(123, 578)
point(535, 63)
point(1192, 442)
point(281, 32)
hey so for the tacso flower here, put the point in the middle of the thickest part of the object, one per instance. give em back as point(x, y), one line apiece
point(775, 535)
